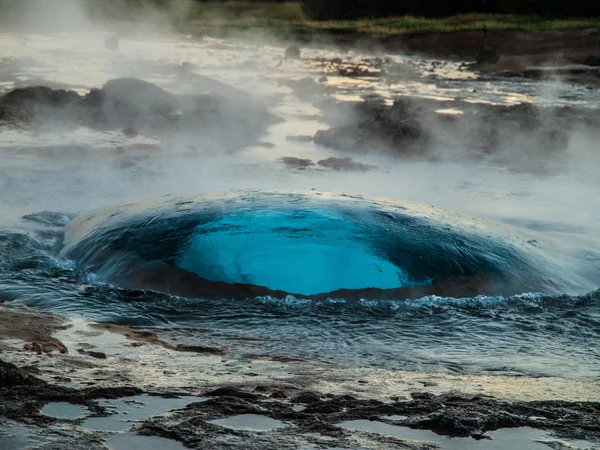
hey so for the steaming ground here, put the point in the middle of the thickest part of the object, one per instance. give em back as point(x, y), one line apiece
point(75, 170)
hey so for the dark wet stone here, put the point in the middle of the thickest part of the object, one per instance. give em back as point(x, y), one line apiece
point(279, 395)
point(131, 102)
point(347, 164)
point(23, 395)
point(592, 60)
point(354, 71)
point(265, 144)
point(299, 138)
point(262, 389)
point(380, 132)
point(373, 126)
point(40, 103)
point(453, 415)
point(422, 396)
point(97, 355)
point(488, 56)
point(307, 398)
point(108, 392)
point(296, 163)
point(50, 346)
point(231, 392)
point(11, 375)
point(200, 349)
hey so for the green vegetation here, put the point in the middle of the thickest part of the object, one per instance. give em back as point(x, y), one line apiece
point(355, 9)
point(290, 19)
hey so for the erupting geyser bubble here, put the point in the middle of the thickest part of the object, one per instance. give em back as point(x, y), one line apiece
point(244, 244)
point(290, 249)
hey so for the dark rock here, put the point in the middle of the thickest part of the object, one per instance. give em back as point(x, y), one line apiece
point(97, 355)
point(374, 127)
point(108, 392)
point(381, 133)
point(231, 392)
point(11, 375)
point(296, 163)
point(200, 349)
point(422, 396)
point(427, 129)
point(131, 103)
point(40, 103)
point(49, 346)
point(226, 118)
point(353, 71)
point(307, 398)
point(279, 395)
point(592, 60)
point(488, 56)
point(347, 164)
point(299, 138)
point(265, 144)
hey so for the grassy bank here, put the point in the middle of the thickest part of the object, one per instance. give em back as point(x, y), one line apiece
point(288, 19)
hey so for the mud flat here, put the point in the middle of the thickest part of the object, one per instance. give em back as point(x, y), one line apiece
point(104, 386)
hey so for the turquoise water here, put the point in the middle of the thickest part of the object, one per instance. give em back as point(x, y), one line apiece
point(304, 243)
point(300, 251)
point(518, 315)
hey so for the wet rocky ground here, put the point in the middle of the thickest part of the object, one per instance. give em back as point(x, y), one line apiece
point(57, 397)
point(264, 417)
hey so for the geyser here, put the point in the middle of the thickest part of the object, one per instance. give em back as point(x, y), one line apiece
point(293, 250)
point(313, 244)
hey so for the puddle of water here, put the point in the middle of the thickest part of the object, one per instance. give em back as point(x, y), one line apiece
point(132, 441)
point(14, 436)
point(64, 410)
point(132, 409)
point(525, 438)
point(252, 422)
point(111, 344)
point(106, 424)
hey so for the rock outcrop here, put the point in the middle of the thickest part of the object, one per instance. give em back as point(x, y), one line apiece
point(11, 375)
point(225, 115)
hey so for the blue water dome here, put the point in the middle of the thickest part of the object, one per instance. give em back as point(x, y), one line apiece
point(299, 251)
